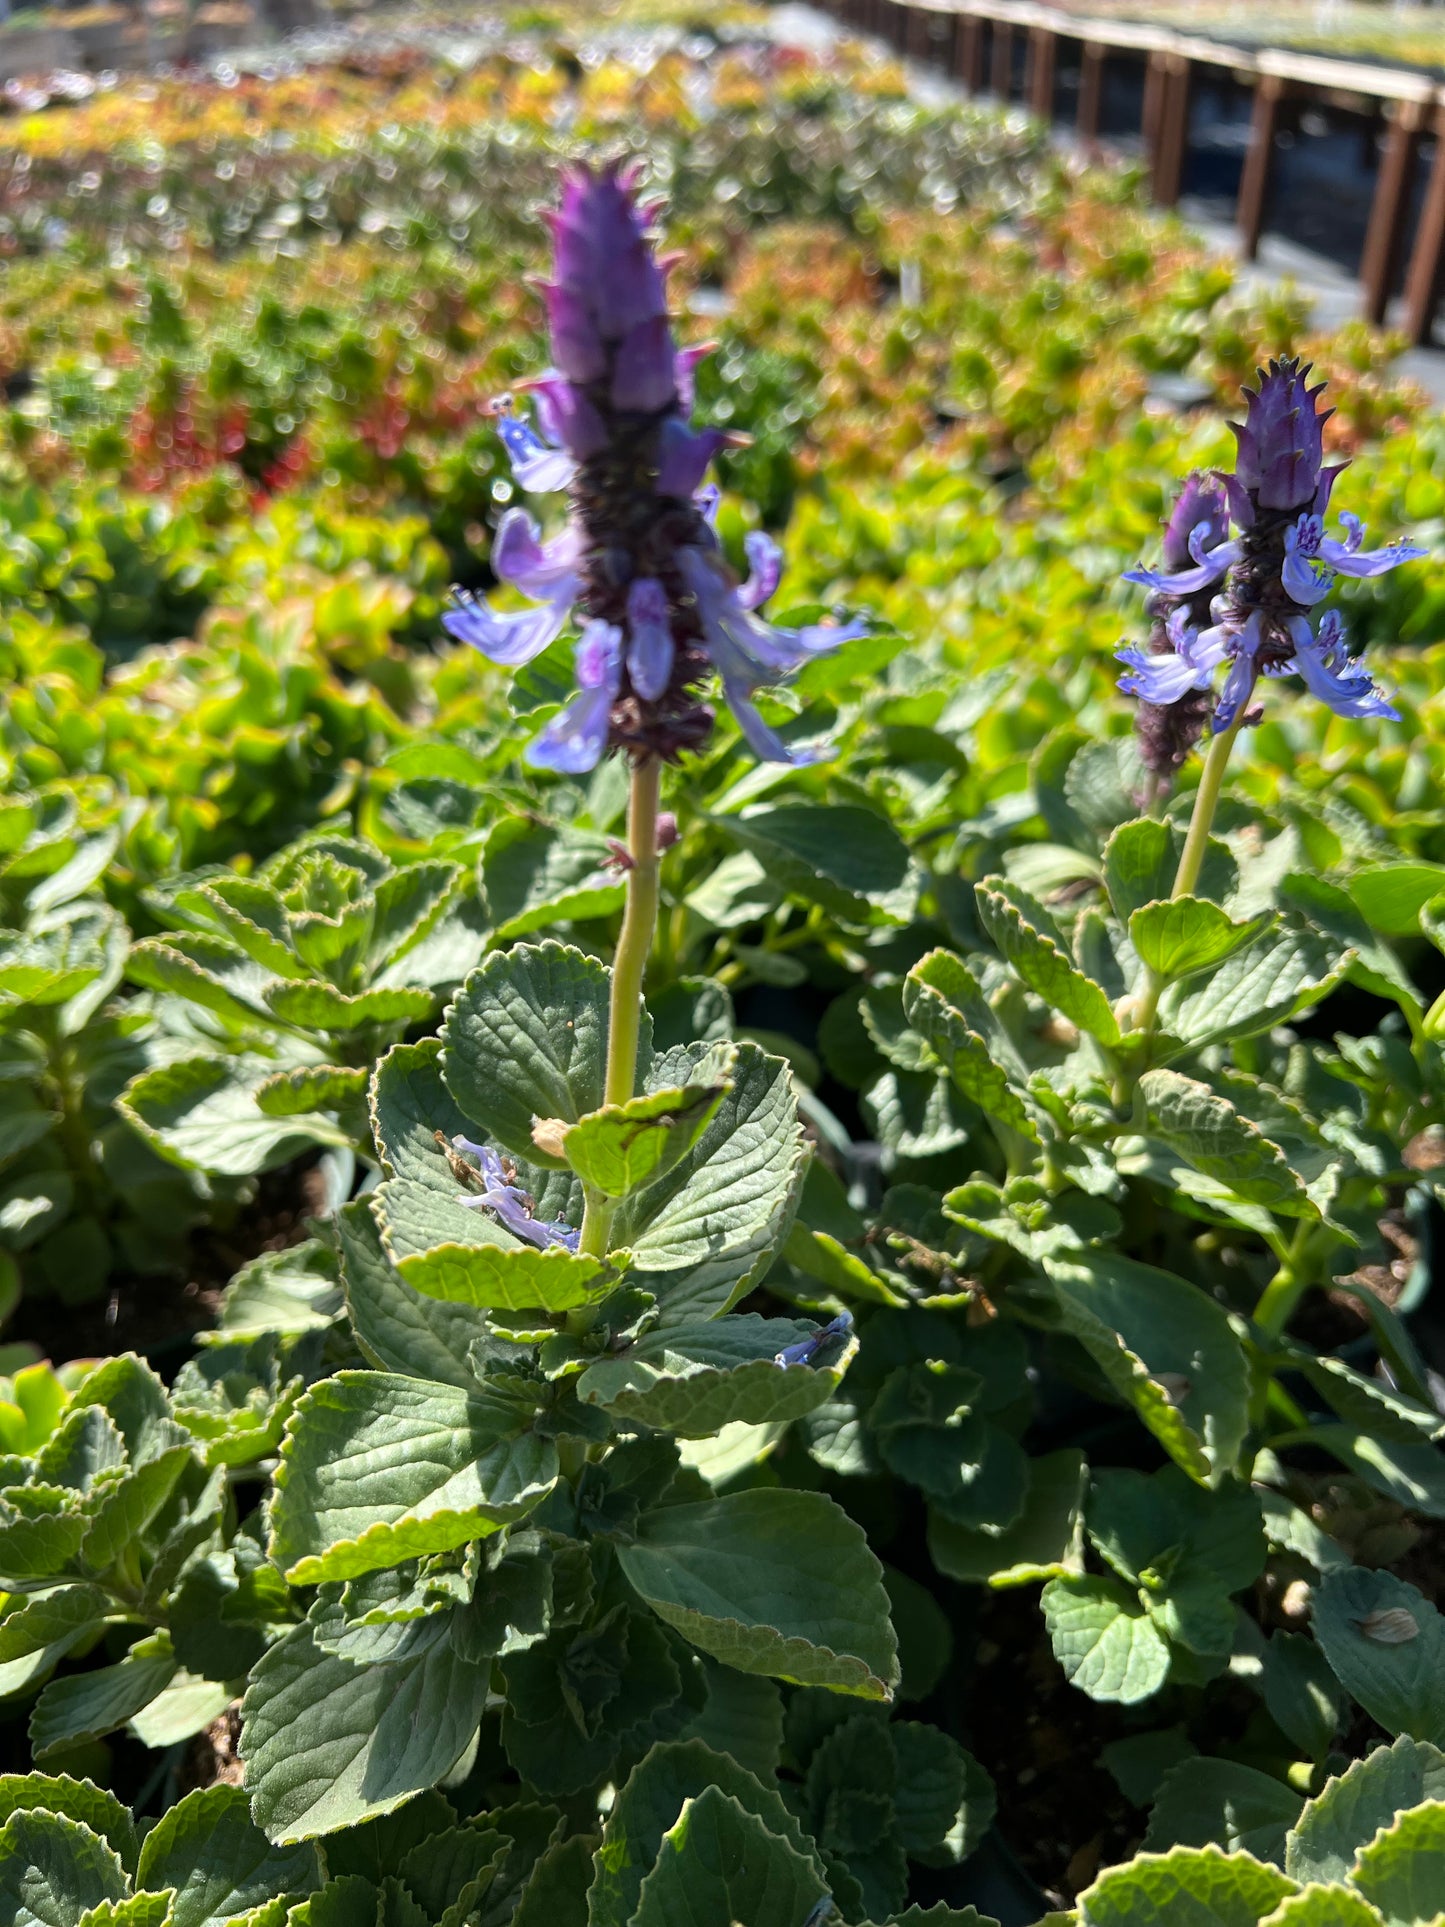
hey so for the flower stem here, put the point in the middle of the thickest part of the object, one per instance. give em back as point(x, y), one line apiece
point(1206, 801)
point(639, 924)
point(1196, 843)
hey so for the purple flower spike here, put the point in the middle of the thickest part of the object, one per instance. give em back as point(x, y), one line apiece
point(638, 565)
point(1281, 445)
point(607, 282)
point(1247, 599)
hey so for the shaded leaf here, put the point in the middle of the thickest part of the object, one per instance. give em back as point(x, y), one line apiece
point(770, 1581)
point(377, 1469)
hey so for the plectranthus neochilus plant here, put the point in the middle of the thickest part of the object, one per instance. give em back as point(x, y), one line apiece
point(1244, 602)
point(488, 1521)
point(638, 561)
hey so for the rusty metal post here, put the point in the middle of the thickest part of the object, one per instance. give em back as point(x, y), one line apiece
point(1091, 89)
point(1156, 81)
point(1172, 145)
point(1043, 60)
point(1254, 183)
point(969, 57)
point(1003, 59)
point(1386, 231)
point(1422, 287)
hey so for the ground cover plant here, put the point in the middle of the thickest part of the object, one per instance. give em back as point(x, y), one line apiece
point(813, 1225)
point(1363, 30)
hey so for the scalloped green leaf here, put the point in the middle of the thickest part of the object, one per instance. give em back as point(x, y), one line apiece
point(1141, 861)
point(534, 876)
point(1268, 982)
point(1045, 1542)
point(555, 1894)
point(87, 1706)
point(95, 1807)
point(252, 915)
point(1180, 936)
point(719, 1863)
point(448, 1873)
point(203, 970)
point(622, 1147)
point(1166, 1349)
point(311, 1087)
point(1198, 1885)
point(1350, 1809)
point(527, 1038)
point(409, 1105)
point(1107, 1644)
point(770, 1581)
point(137, 1910)
point(742, 1717)
point(217, 1861)
point(377, 1469)
point(291, 1291)
point(53, 1869)
point(647, 1807)
point(1324, 1907)
point(942, 1001)
point(1402, 1870)
point(407, 906)
point(692, 1379)
point(128, 1508)
point(328, 1744)
point(395, 1326)
point(944, 1802)
point(521, 1279)
point(1214, 1138)
point(719, 1215)
point(417, 1217)
point(201, 1112)
point(42, 1528)
point(846, 858)
point(1025, 934)
point(940, 1914)
point(42, 1619)
point(318, 1006)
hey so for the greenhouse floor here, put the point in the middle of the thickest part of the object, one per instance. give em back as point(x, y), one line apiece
point(1335, 293)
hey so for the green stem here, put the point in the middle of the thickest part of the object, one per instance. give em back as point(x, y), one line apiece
point(1288, 1285)
point(1196, 844)
point(624, 1023)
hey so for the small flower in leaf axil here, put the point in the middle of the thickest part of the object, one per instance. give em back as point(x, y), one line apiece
point(638, 561)
point(508, 1203)
point(1242, 602)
